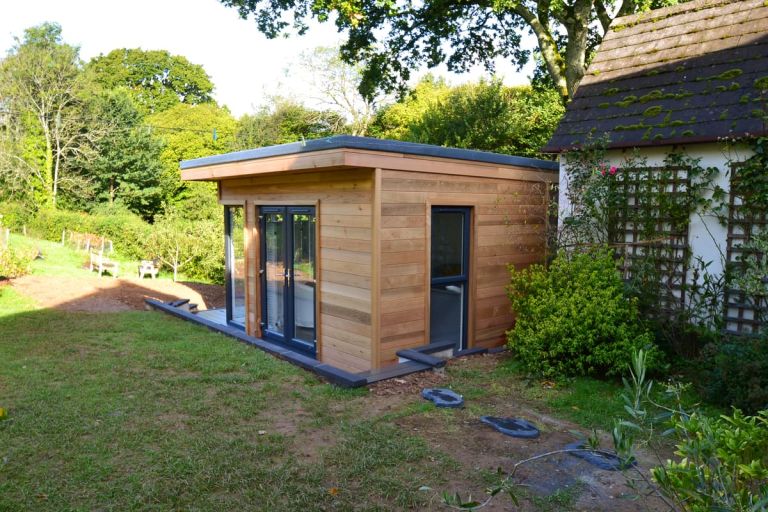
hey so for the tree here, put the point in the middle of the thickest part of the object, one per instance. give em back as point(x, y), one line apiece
point(191, 131)
point(337, 84)
point(484, 115)
point(174, 240)
point(157, 79)
point(286, 121)
point(392, 38)
point(127, 167)
point(41, 85)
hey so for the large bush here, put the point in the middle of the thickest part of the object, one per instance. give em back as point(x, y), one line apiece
point(735, 373)
point(723, 463)
point(13, 263)
point(14, 215)
point(574, 318)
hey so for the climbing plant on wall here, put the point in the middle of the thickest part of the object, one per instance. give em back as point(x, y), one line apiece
point(643, 212)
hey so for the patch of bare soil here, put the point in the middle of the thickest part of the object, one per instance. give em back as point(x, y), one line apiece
point(482, 450)
point(108, 294)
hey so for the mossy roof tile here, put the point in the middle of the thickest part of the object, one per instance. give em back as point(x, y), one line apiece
point(690, 73)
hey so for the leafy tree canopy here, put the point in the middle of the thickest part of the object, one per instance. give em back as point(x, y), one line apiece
point(127, 167)
point(188, 132)
point(41, 90)
point(486, 115)
point(157, 79)
point(286, 121)
point(394, 37)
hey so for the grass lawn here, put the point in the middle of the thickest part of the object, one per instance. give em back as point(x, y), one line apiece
point(136, 410)
point(59, 260)
point(140, 411)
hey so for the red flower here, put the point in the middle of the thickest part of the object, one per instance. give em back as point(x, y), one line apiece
point(613, 169)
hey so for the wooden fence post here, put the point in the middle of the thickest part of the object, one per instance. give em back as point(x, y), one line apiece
point(63, 235)
point(7, 233)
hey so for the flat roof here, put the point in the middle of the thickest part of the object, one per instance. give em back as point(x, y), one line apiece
point(371, 144)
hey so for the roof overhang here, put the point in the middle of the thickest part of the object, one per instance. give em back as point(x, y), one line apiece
point(341, 152)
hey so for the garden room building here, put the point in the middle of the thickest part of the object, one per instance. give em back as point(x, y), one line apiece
point(350, 250)
point(675, 97)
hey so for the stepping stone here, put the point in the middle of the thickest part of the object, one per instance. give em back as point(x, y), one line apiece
point(515, 427)
point(443, 397)
point(606, 461)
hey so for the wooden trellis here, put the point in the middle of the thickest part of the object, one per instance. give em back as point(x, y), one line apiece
point(646, 232)
point(741, 311)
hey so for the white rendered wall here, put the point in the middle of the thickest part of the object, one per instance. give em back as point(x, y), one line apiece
point(706, 236)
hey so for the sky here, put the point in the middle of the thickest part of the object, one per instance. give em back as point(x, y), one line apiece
point(245, 66)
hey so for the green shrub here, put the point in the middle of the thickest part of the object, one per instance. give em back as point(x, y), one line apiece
point(49, 223)
point(14, 215)
point(723, 463)
point(127, 230)
point(720, 463)
point(13, 263)
point(574, 319)
point(736, 373)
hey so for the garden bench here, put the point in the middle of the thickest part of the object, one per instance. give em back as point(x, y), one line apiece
point(102, 264)
point(151, 267)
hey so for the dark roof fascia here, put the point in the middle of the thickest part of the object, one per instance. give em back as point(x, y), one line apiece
point(678, 141)
point(370, 144)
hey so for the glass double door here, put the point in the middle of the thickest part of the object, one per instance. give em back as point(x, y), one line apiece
point(288, 275)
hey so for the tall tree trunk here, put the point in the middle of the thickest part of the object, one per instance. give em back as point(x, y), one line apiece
point(56, 171)
point(49, 162)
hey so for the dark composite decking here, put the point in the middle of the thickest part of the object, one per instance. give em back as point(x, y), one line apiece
point(216, 320)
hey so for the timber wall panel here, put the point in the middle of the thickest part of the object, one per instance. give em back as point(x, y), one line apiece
point(344, 253)
point(508, 226)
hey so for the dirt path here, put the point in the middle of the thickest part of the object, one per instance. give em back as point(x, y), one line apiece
point(106, 294)
point(480, 449)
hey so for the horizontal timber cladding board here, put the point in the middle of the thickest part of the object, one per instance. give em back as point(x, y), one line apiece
point(403, 233)
point(330, 276)
point(297, 197)
point(346, 325)
point(399, 258)
point(354, 344)
point(511, 229)
point(337, 357)
point(464, 185)
point(345, 255)
point(488, 199)
point(403, 303)
point(400, 209)
point(346, 233)
point(346, 267)
point(404, 245)
point(403, 221)
point(343, 244)
point(509, 222)
point(348, 221)
point(512, 249)
point(352, 209)
point(355, 178)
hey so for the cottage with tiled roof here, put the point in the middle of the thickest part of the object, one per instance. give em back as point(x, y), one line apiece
point(690, 79)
